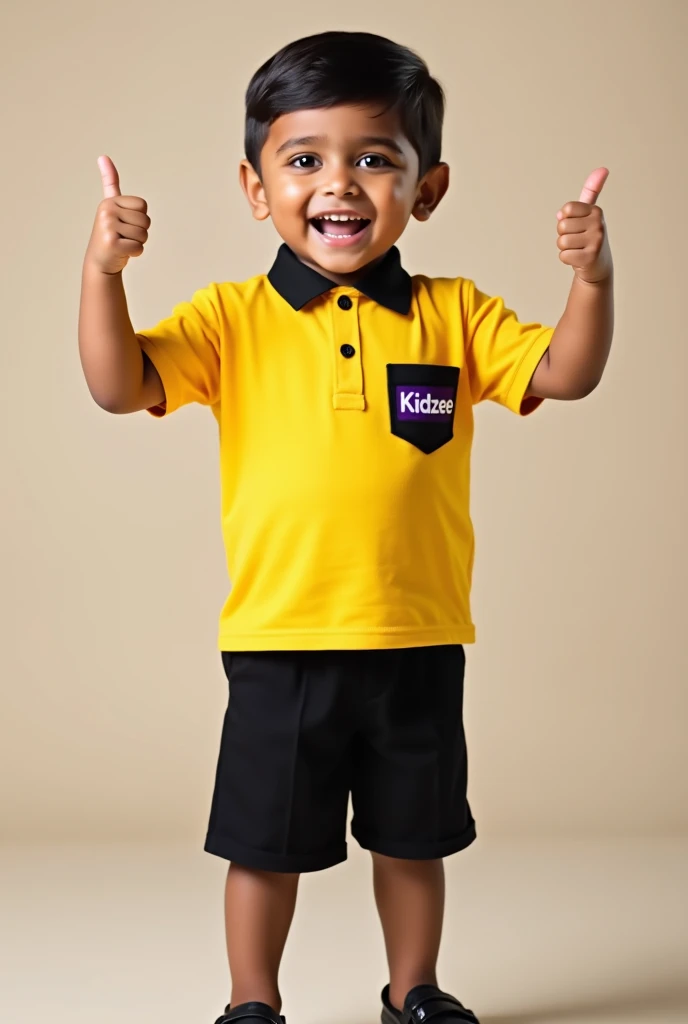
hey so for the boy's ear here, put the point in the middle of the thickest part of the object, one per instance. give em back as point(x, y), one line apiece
point(253, 190)
point(431, 189)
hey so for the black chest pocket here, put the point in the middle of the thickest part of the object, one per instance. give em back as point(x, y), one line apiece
point(422, 403)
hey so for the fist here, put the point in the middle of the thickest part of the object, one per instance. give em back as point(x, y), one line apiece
point(121, 226)
point(582, 233)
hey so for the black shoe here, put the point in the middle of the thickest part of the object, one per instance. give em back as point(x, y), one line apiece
point(426, 1003)
point(251, 1013)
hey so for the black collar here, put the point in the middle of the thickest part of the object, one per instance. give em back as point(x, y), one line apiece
point(387, 283)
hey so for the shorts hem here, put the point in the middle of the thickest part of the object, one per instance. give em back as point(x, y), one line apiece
point(419, 851)
point(260, 860)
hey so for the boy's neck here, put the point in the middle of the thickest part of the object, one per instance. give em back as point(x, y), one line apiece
point(343, 279)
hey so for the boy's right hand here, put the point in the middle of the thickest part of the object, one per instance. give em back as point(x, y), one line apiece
point(121, 225)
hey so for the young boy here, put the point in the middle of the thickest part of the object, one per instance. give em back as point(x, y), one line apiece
point(343, 389)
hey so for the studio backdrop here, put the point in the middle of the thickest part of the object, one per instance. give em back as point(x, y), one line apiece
point(112, 692)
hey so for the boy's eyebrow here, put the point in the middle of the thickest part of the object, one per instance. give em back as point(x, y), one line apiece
point(383, 140)
point(368, 140)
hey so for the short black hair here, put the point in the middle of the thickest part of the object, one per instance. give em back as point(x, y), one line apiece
point(334, 68)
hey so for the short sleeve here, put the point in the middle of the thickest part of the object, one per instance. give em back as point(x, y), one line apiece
point(501, 352)
point(185, 350)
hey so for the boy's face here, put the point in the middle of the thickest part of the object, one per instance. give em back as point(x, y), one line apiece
point(349, 160)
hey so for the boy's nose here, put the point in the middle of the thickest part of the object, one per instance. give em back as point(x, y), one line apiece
point(340, 185)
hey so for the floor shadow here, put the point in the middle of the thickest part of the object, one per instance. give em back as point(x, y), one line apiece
point(651, 999)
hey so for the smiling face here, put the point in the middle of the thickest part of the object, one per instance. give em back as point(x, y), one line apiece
point(340, 185)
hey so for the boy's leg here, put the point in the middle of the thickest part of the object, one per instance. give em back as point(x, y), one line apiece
point(410, 800)
point(280, 800)
point(410, 901)
point(259, 907)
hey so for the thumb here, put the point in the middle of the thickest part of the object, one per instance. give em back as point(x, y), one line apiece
point(109, 176)
point(593, 185)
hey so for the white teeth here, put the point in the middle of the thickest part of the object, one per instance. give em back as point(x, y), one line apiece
point(338, 216)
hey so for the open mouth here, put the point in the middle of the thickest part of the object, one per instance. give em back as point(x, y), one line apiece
point(340, 229)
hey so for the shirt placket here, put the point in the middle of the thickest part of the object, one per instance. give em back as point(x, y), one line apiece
point(348, 382)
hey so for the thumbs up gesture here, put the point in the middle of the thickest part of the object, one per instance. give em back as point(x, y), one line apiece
point(121, 225)
point(582, 233)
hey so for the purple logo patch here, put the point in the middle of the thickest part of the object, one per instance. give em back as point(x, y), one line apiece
point(425, 402)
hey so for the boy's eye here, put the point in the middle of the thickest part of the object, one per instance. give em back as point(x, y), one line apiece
point(370, 159)
point(302, 161)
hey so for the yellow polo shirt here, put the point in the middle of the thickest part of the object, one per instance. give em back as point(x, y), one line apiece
point(345, 420)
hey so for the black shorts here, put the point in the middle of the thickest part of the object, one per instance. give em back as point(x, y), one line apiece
point(304, 729)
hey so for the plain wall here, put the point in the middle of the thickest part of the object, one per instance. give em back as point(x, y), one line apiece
point(113, 574)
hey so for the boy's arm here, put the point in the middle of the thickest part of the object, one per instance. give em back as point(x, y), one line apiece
point(573, 365)
point(120, 378)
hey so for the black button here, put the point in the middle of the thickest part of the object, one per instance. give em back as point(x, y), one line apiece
point(344, 302)
point(348, 351)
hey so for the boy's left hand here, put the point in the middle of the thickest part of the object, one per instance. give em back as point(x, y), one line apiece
point(582, 240)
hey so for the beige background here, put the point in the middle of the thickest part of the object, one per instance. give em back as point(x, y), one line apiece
point(112, 568)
